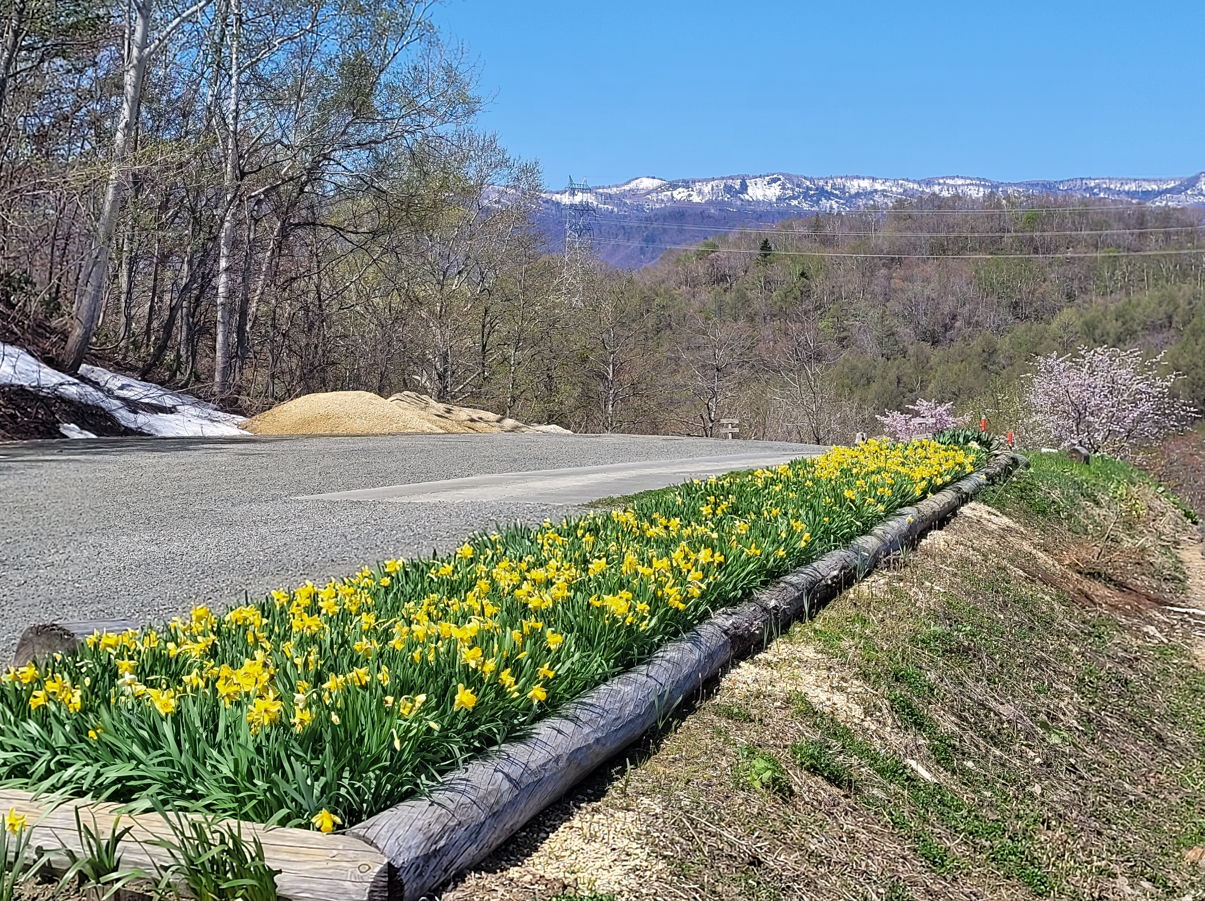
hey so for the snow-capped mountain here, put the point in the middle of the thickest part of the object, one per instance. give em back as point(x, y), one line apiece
point(636, 221)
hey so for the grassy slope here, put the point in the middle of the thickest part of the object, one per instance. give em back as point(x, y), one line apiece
point(1011, 712)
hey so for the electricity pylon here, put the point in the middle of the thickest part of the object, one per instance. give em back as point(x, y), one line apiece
point(579, 239)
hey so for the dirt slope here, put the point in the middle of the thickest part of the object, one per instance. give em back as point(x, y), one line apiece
point(1013, 711)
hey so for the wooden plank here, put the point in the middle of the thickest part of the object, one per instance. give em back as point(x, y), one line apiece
point(314, 867)
point(478, 807)
point(45, 639)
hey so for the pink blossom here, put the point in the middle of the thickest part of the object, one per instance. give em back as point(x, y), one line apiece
point(1105, 400)
point(928, 417)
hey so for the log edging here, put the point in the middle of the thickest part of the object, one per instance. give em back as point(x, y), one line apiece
point(313, 866)
point(476, 808)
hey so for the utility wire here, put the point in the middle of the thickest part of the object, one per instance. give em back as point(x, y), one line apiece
point(770, 230)
point(917, 256)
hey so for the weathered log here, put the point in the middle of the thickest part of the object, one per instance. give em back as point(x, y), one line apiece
point(478, 807)
point(314, 867)
point(62, 638)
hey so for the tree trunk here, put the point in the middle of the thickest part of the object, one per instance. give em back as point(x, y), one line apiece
point(248, 324)
point(88, 310)
point(96, 267)
point(221, 353)
point(12, 43)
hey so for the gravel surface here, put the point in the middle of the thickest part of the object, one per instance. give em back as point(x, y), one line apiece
point(141, 529)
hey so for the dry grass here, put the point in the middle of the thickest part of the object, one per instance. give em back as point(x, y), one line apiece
point(993, 718)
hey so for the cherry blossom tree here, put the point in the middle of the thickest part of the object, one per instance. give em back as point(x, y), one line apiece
point(928, 417)
point(1106, 400)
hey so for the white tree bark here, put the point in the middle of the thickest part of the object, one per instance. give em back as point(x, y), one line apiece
point(138, 53)
point(221, 354)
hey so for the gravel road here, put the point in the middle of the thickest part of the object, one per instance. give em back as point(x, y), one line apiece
point(141, 529)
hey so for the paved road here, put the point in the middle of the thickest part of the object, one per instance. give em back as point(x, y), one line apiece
point(143, 528)
point(579, 485)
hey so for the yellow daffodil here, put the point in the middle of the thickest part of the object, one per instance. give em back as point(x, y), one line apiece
point(27, 674)
point(264, 712)
point(163, 700)
point(471, 657)
point(14, 822)
point(464, 698)
point(325, 821)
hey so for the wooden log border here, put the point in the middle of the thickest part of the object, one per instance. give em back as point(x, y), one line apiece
point(313, 866)
point(45, 639)
point(476, 808)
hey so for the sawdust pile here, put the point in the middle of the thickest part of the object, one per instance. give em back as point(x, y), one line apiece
point(338, 413)
point(364, 413)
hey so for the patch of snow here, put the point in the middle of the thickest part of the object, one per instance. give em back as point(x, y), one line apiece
point(644, 183)
point(183, 417)
point(764, 190)
point(125, 388)
point(71, 430)
point(847, 192)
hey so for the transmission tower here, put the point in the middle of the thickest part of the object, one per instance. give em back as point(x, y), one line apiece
point(579, 238)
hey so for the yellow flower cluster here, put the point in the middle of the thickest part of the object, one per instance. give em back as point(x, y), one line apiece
point(490, 633)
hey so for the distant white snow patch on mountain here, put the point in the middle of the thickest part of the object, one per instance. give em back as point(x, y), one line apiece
point(800, 194)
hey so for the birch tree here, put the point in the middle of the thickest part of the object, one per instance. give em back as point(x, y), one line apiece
point(140, 47)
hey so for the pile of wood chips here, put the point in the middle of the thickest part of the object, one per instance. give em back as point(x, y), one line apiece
point(364, 413)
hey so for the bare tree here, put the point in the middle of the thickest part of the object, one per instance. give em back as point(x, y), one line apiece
point(716, 353)
point(139, 49)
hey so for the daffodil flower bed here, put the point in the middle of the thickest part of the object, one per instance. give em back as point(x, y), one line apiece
point(326, 704)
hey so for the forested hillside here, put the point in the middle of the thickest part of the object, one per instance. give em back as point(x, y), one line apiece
point(805, 330)
point(254, 201)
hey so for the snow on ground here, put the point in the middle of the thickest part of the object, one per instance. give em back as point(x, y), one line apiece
point(183, 416)
point(71, 430)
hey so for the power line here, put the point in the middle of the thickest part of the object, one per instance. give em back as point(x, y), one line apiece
point(824, 234)
point(919, 256)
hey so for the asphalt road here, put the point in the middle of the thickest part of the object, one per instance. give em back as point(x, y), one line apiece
point(142, 529)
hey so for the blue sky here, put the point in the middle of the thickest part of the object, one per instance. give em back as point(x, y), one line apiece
point(1006, 90)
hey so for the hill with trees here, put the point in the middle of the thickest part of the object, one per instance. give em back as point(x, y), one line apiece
point(257, 202)
point(806, 329)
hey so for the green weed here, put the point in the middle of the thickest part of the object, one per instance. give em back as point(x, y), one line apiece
point(215, 863)
point(737, 713)
point(763, 771)
point(819, 757)
point(834, 755)
point(98, 871)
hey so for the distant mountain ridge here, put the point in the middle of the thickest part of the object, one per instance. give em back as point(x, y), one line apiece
point(636, 221)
